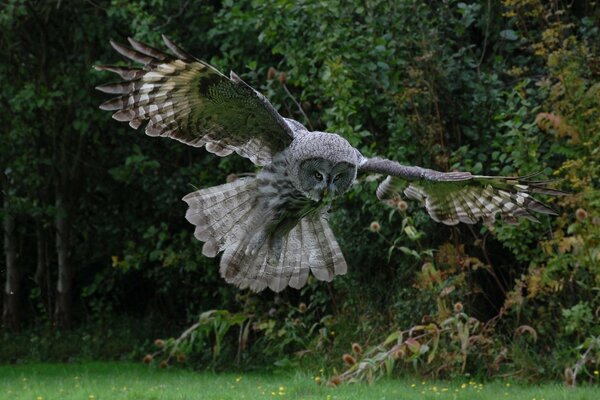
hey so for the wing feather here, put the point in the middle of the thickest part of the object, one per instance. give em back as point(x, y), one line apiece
point(188, 100)
point(454, 197)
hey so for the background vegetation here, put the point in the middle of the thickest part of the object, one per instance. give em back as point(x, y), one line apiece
point(99, 260)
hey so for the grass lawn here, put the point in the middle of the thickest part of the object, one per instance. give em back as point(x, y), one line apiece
point(107, 381)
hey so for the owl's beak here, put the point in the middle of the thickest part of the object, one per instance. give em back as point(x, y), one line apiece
point(325, 192)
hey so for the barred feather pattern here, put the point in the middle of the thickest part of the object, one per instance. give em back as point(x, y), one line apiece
point(270, 235)
point(222, 214)
point(481, 198)
point(188, 100)
point(287, 259)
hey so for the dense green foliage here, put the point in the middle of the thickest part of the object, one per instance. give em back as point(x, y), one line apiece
point(507, 88)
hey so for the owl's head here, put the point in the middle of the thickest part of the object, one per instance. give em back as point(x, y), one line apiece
point(322, 164)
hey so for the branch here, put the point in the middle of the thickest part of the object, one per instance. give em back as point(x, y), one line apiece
point(297, 105)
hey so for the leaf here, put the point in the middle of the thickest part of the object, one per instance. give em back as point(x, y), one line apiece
point(436, 342)
point(413, 345)
point(389, 366)
point(410, 252)
point(393, 337)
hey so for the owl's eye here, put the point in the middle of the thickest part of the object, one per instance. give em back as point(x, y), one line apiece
point(318, 176)
point(337, 178)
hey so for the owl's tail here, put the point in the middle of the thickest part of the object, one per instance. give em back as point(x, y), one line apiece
point(285, 258)
point(228, 217)
point(222, 214)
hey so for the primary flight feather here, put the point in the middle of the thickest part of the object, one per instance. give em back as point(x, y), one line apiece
point(272, 228)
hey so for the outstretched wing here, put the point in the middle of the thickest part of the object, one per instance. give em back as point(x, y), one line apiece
point(453, 197)
point(186, 99)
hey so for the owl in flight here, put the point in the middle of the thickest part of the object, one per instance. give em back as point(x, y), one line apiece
point(272, 227)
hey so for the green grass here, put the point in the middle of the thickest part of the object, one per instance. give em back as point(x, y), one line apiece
point(107, 381)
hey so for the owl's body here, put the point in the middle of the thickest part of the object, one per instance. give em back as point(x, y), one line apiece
point(264, 223)
point(272, 227)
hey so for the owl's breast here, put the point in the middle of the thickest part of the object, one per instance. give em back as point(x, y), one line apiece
point(278, 200)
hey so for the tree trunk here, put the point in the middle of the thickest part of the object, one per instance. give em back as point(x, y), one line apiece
point(41, 277)
point(10, 313)
point(62, 313)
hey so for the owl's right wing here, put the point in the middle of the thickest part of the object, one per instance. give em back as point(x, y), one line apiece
point(453, 197)
point(186, 99)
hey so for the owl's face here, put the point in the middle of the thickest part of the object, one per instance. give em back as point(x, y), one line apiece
point(319, 177)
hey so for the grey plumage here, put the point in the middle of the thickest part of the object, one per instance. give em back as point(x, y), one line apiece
point(272, 227)
point(453, 197)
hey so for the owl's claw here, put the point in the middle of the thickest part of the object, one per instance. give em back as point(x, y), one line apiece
point(255, 243)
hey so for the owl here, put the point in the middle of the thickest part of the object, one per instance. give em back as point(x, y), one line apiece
point(272, 226)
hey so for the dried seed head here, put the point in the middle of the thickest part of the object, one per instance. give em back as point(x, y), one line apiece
point(400, 353)
point(374, 227)
point(163, 364)
point(302, 308)
point(181, 358)
point(402, 205)
point(231, 177)
point(357, 349)
point(148, 359)
point(581, 214)
point(348, 359)
point(458, 307)
point(271, 73)
point(282, 78)
point(159, 343)
point(306, 106)
point(335, 381)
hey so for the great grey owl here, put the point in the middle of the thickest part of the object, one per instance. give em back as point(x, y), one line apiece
point(272, 227)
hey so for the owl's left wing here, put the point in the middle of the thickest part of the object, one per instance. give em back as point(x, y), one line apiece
point(453, 197)
point(184, 98)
